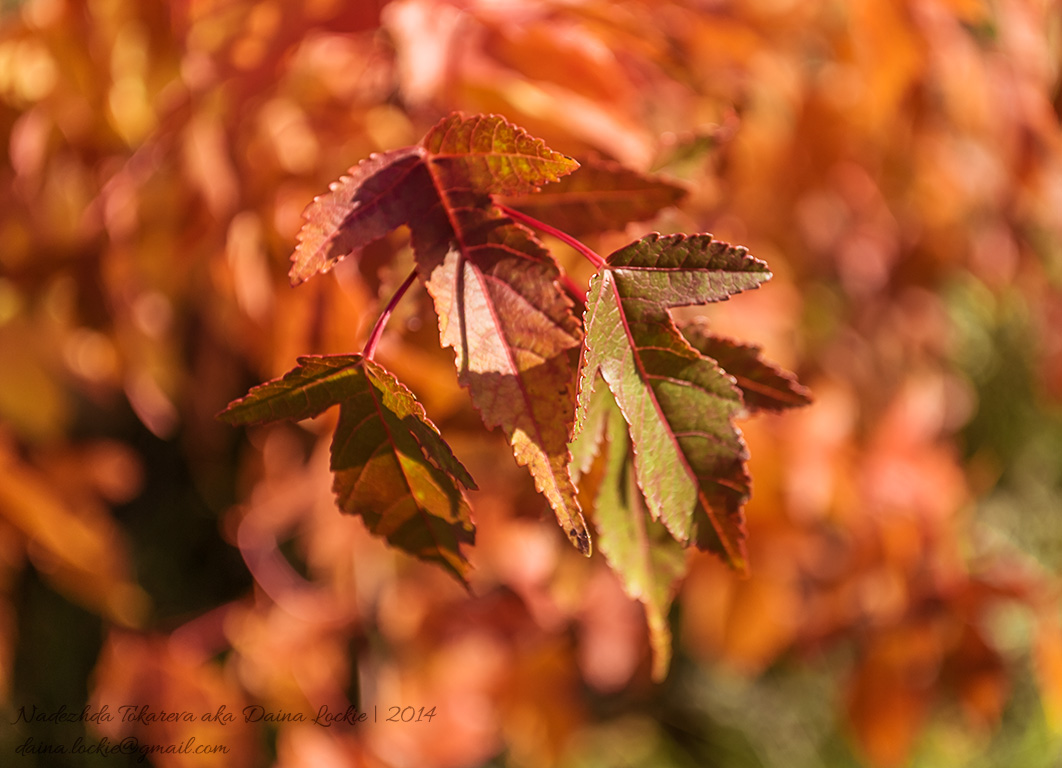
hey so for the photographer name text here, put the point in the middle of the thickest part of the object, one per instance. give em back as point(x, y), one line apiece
point(144, 714)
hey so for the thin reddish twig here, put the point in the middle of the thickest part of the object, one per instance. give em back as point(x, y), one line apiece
point(530, 221)
point(381, 321)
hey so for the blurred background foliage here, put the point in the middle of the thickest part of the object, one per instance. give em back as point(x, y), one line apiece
point(898, 163)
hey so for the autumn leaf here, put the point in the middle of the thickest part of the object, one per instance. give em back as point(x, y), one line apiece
point(481, 154)
point(511, 329)
point(587, 440)
point(689, 458)
point(379, 194)
point(602, 195)
point(84, 554)
point(390, 464)
point(156, 158)
point(494, 286)
point(764, 386)
point(640, 551)
point(499, 305)
point(489, 154)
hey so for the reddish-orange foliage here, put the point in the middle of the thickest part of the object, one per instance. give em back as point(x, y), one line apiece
point(899, 166)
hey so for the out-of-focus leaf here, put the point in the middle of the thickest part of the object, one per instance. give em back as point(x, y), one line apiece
point(890, 693)
point(764, 386)
point(391, 466)
point(80, 551)
point(978, 673)
point(689, 457)
point(647, 560)
point(157, 674)
point(557, 50)
point(31, 398)
point(600, 196)
point(1048, 657)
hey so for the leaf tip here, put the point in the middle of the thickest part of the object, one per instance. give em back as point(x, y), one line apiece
point(660, 668)
point(234, 415)
point(225, 414)
point(460, 573)
point(570, 163)
point(580, 537)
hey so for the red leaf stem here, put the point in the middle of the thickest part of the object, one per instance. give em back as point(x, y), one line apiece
point(381, 321)
point(530, 221)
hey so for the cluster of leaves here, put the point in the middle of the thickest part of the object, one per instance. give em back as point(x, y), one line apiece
point(903, 532)
point(502, 308)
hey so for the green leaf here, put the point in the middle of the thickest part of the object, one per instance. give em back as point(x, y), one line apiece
point(587, 440)
point(392, 468)
point(390, 464)
point(689, 456)
point(316, 384)
point(600, 196)
point(491, 155)
point(647, 560)
point(764, 386)
point(379, 194)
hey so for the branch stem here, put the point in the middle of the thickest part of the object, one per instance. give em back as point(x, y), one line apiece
point(381, 321)
point(579, 294)
point(530, 221)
